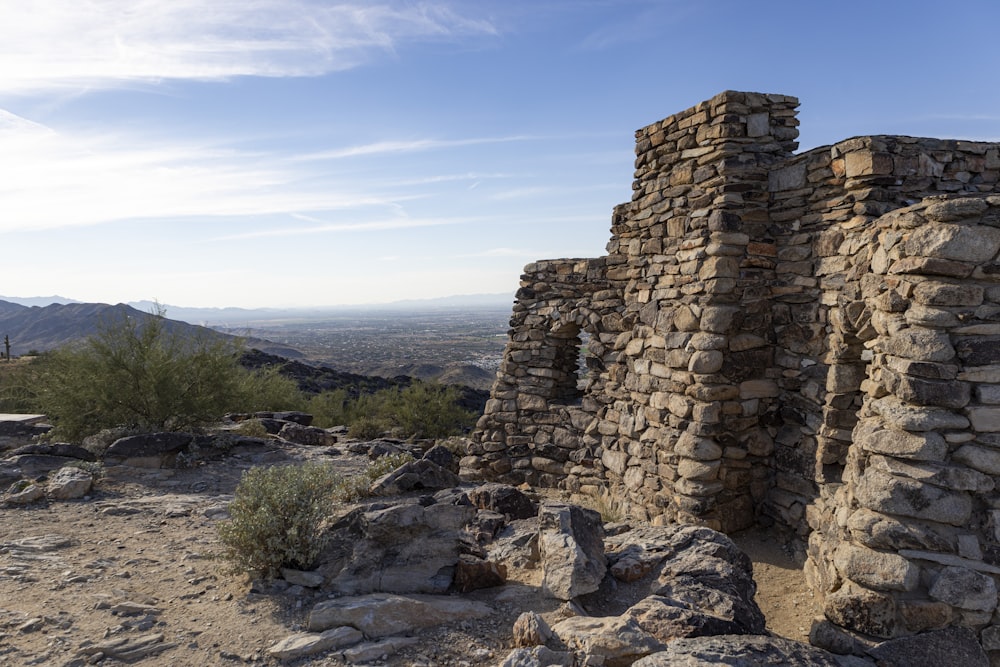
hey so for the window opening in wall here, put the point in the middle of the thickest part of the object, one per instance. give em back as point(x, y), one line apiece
point(575, 366)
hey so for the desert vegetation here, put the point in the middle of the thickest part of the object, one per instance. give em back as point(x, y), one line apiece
point(280, 514)
point(145, 377)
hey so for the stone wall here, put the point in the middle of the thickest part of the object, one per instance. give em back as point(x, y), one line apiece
point(757, 345)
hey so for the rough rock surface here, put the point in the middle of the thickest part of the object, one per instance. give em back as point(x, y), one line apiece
point(739, 651)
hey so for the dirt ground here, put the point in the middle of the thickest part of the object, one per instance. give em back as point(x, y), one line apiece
point(134, 562)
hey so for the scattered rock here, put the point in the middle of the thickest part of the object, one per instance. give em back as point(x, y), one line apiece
point(442, 456)
point(69, 483)
point(302, 644)
point(472, 573)
point(504, 499)
point(401, 548)
point(951, 646)
point(539, 656)
point(571, 544)
point(738, 651)
point(530, 629)
point(422, 474)
point(24, 494)
point(129, 648)
point(385, 614)
point(148, 450)
point(306, 435)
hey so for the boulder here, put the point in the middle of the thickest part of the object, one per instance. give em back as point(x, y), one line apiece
point(400, 548)
point(539, 656)
point(442, 456)
point(63, 449)
point(34, 466)
point(472, 573)
point(504, 499)
point(69, 483)
point(739, 651)
point(951, 646)
point(301, 418)
point(530, 629)
point(302, 644)
point(306, 435)
point(614, 641)
point(148, 450)
point(571, 546)
point(419, 475)
point(24, 495)
point(384, 614)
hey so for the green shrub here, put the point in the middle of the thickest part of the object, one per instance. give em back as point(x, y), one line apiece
point(139, 375)
point(329, 408)
point(354, 488)
point(279, 516)
point(367, 428)
point(252, 428)
point(430, 410)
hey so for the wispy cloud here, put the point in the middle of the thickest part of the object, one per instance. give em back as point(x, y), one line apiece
point(73, 44)
point(333, 227)
point(50, 180)
point(413, 146)
point(510, 252)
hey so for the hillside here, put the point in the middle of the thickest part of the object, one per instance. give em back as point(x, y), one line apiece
point(42, 328)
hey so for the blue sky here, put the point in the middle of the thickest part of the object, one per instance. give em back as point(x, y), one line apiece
point(315, 152)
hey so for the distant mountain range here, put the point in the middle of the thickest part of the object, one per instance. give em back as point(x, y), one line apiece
point(40, 328)
point(246, 316)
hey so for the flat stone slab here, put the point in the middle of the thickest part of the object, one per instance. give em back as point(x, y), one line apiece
point(23, 419)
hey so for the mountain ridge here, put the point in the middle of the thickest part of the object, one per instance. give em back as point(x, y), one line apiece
point(41, 328)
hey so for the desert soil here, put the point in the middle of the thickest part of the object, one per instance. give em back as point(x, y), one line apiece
point(135, 561)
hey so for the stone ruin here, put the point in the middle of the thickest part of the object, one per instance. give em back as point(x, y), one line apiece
point(810, 340)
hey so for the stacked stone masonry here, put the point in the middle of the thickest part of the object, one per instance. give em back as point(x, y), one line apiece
point(811, 340)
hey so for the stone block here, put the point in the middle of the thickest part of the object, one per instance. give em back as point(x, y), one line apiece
point(877, 570)
point(978, 350)
point(705, 362)
point(966, 589)
point(984, 418)
point(889, 494)
point(983, 459)
point(873, 437)
point(932, 293)
point(962, 243)
point(912, 418)
point(700, 449)
point(861, 610)
point(919, 344)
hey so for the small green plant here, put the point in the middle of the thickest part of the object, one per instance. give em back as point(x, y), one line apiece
point(95, 468)
point(610, 507)
point(279, 516)
point(355, 488)
point(367, 428)
point(251, 428)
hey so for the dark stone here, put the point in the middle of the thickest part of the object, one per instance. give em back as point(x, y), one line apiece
point(306, 435)
point(148, 444)
point(503, 499)
point(951, 646)
point(18, 429)
point(63, 449)
point(414, 476)
point(738, 651)
point(271, 425)
point(33, 466)
point(978, 350)
point(300, 418)
point(472, 574)
point(442, 456)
